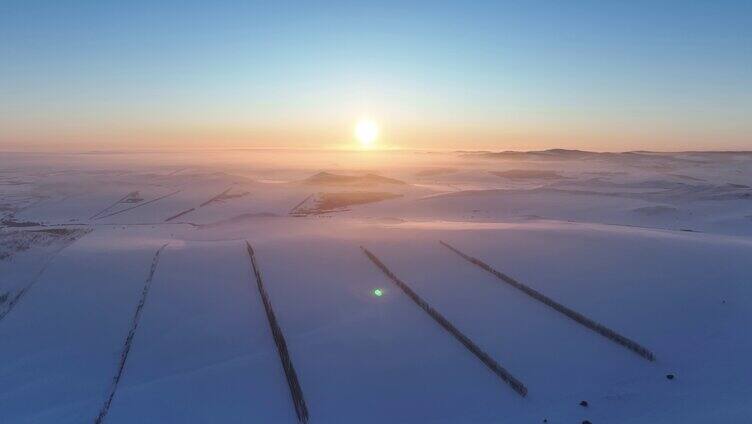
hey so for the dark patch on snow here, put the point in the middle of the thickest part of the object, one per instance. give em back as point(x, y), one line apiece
point(327, 178)
point(11, 223)
point(433, 172)
point(528, 174)
point(239, 218)
point(225, 195)
point(337, 202)
point(131, 197)
point(687, 177)
point(658, 210)
point(62, 232)
point(295, 208)
point(222, 196)
point(18, 240)
point(139, 205)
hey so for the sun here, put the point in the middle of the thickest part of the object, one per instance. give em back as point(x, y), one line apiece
point(366, 132)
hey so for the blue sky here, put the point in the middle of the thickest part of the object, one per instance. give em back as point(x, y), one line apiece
point(504, 75)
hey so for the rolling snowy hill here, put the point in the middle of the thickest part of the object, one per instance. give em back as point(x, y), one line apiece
point(655, 247)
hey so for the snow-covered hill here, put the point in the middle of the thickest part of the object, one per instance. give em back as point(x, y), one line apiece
point(655, 247)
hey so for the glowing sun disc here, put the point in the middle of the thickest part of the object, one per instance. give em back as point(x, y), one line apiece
point(366, 131)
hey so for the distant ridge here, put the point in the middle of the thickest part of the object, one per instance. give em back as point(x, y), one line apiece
point(565, 154)
point(576, 152)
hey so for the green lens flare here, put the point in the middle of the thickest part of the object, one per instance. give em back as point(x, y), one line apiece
point(378, 292)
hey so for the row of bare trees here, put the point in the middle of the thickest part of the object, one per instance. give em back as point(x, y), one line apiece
point(129, 339)
point(279, 339)
point(576, 316)
point(491, 363)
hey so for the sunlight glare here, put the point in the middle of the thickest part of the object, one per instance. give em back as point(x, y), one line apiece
point(366, 131)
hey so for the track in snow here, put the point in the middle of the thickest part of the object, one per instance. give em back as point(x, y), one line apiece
point(494, 366)
point(279, 339)
point(129, 339)
point(574, 315)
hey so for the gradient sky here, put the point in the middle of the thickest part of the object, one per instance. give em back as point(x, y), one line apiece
point(597, 75)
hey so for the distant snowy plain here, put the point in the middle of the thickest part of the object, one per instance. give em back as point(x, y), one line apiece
point(654, 246)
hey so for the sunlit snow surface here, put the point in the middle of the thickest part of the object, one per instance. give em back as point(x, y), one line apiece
point(654, 246)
